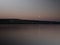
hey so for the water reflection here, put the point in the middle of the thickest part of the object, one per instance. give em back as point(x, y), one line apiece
point(25, 34)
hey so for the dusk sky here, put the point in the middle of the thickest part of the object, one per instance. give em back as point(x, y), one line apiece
point(30, 9)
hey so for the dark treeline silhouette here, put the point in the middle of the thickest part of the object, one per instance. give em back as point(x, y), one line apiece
point(19, 21)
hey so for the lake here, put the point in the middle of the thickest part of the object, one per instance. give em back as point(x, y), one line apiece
point(30, 34)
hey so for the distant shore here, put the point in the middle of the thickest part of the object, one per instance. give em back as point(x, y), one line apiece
point(19, 21)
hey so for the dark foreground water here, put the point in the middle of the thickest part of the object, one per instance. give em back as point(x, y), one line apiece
point(30, 34)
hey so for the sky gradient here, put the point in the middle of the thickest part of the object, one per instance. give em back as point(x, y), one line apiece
point(30, 9)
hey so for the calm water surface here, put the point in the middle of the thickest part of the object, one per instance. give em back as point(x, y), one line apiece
point(30, 34)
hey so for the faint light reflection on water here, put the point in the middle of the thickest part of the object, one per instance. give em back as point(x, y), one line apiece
point(30, 34)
